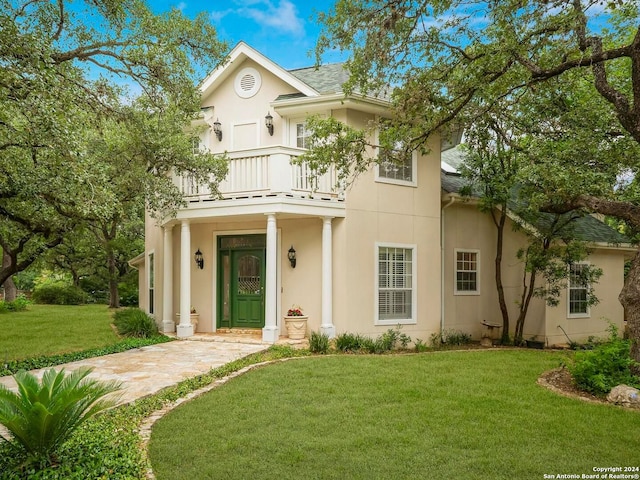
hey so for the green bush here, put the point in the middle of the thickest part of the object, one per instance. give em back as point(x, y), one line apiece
point(599, 370)
point(17, 305)
point(133, 322)
point(59, 294)
point(319, 342)
point(128, 294)
point(389, 340)
point(449, 337)
point(349, 342)
point(42, 416)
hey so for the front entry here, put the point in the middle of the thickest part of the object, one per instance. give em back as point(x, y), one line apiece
point(241, 279)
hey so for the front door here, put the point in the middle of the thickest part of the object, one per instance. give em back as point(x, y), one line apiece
point(247, 289)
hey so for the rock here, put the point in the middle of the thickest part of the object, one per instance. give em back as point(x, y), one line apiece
point(625, 395)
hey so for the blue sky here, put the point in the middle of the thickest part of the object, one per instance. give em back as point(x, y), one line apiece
point(283, 30)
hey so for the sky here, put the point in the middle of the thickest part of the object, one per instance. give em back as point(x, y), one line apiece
point(285, 31)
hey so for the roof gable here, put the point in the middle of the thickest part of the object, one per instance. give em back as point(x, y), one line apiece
point(243, 51)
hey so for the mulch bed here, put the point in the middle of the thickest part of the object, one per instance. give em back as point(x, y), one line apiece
point(559, 380)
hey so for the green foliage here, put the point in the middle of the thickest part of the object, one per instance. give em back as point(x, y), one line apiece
point(608, 364)
point(59, 294)
point(42, 416)
point(420, 346)
point(319, 343)
point(18, 305)
point(134, 322)
point(43, 361)
point(389, 340)
point(128, 294)
point(449, 338)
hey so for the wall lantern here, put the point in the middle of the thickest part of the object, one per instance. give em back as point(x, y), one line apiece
point(292, 257)
point(199, 259)
point(217, 129)
point(268, 121)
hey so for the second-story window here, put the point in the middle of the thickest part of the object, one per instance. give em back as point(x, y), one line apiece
point(396, 165)
point(302, 135)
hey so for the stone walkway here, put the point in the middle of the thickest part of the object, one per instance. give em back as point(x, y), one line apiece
point(147, 370)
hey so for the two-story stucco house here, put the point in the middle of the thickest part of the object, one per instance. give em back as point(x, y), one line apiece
point(393, 249)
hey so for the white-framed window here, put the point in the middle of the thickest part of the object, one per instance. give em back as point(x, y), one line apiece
point(395, 284)
point(577, 292)
point(467, 272)
point(397, 166)
point(151, 282)
point(301, 134)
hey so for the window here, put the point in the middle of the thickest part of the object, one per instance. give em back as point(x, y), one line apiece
point(151, 283)
point(397, 166)
point(395, 284)
point(302, 135)
point(578, 291)
point(467, 272)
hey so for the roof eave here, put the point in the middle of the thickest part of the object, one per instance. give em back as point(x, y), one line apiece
point(293, 106)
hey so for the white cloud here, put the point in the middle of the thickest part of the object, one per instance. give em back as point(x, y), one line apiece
point(283, 16)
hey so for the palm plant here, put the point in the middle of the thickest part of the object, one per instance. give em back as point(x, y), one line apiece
point(42, 416)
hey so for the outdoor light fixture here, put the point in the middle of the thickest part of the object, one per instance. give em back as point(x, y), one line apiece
point(292, 257)
point(218, 131)
point(268, 121)
point(199, 259)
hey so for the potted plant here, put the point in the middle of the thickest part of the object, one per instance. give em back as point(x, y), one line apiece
point(533, 342)
point(296, 323)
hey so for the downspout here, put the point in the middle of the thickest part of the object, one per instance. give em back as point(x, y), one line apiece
point(451, 202)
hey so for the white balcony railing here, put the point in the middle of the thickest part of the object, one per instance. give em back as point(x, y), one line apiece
point(264, 171)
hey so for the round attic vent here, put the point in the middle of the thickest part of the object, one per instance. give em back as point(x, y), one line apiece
point(248, 82)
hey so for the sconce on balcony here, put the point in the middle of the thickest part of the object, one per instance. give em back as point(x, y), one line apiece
point(292, 257)
point(217, 129)
point(199, 259)
point(268, 121)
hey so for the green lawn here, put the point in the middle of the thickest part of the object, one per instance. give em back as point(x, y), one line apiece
point(53, 329)
point(471, 415)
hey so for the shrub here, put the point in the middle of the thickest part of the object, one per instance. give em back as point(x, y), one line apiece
point(133, 322)
point(319, 342)
point(59, 294)
point(420, 346)
point(449, 337)
point(128, 294)
point(17, 305)
point(599, 370)
point(348, 342)
point(42, 416)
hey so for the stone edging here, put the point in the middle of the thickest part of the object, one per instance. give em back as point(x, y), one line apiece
point(144, 431)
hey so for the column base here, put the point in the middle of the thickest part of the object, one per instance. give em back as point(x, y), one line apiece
point(328, 330)
point(270, 334)
point(184, 331)
point(168, 326)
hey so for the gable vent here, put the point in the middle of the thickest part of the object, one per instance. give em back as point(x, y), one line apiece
point(247, 82)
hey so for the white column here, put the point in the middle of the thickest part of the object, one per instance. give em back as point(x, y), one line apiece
point(168, 325)
point(327, 326)
point(185, 329)
point(270, 330)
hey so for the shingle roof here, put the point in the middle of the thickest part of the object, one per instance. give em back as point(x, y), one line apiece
point(324, 78)
point(586, 228)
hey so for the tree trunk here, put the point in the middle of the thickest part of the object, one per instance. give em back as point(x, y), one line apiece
point(114, 295)
point(527, 294)
point(630, 299)
point(10, 290)
point(498, 266)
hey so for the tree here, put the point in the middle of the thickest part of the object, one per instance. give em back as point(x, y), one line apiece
point(493, 163)
point(62, 86)
point(447, 56)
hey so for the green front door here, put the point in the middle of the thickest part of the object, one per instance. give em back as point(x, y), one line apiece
point(247, 289)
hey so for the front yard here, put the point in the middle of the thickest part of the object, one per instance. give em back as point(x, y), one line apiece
point(472, 415)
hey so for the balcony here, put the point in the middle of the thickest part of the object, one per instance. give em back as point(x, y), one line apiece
point(266, 172)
